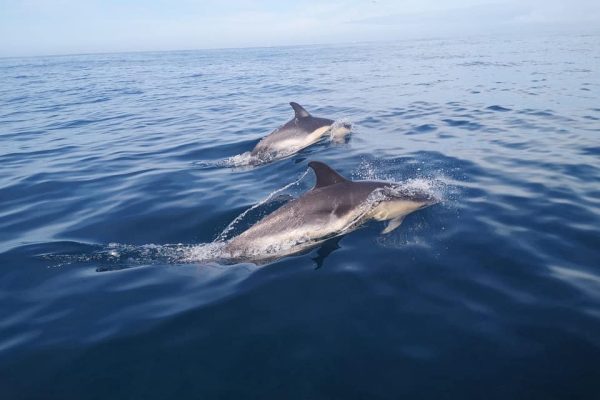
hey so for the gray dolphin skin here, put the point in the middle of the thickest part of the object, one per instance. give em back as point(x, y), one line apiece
point(297, 134)
point(335, 205)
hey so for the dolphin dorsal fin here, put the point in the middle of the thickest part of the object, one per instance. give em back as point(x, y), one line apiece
point(299, 110)
point(325, 174)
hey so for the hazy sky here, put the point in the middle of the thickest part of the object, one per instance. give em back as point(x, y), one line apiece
point(32, 27)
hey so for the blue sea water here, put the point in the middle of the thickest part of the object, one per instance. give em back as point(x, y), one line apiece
point(112, 181)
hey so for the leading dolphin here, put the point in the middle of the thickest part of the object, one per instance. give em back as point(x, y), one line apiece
point(298, 133)
point(335, 205)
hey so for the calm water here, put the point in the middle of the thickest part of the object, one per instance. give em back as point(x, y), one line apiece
point(109, 186)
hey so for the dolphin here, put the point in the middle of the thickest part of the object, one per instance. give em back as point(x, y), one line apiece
point(297, 134)
point(334, 206)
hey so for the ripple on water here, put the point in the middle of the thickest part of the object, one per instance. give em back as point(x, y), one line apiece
point(101, 155)
point(498, 108)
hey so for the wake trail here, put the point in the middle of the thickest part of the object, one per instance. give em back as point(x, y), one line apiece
point(223, 235)
point(116, 256)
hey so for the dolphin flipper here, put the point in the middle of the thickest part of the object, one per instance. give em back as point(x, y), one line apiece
point(299, 110)
point(393, 224)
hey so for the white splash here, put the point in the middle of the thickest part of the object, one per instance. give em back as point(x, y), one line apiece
point(223, 235)
point(338, 131)
point(118, 256)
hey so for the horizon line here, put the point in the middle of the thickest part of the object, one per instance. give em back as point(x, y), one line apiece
point(420, 38)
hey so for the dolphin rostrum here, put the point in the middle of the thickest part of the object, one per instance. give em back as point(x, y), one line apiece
point(298, 133)
point(334, 206)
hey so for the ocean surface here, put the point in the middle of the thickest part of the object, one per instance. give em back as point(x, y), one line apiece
point(118, 171)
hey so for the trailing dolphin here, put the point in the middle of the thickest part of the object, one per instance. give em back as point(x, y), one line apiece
point(334, 206)
point(297, 134)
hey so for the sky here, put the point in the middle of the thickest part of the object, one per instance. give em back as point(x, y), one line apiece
point(44, 27)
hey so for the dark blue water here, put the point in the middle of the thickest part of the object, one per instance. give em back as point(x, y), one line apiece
point(106, 201)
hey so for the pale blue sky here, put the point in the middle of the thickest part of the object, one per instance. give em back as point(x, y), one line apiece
point(36, 27)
